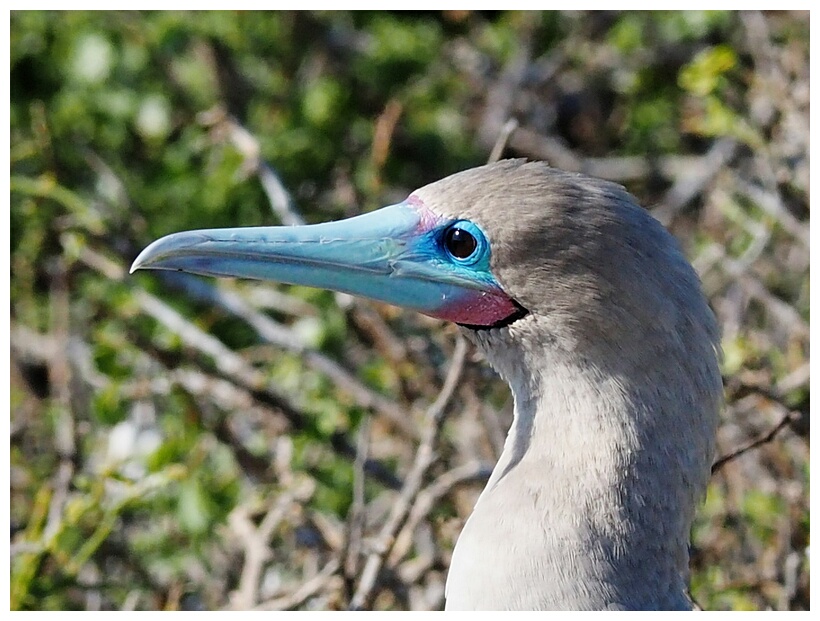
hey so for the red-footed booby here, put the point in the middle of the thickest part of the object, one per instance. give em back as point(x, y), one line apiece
point(588, 309)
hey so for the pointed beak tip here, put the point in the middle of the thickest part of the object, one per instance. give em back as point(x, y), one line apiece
point(141, 262)
point(159, 251)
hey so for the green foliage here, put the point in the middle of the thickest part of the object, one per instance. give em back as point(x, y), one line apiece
point(709, 76)
point(131, 449)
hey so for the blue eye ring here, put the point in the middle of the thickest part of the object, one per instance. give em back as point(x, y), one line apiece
point(465, 242)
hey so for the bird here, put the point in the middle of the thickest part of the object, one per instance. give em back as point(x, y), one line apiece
point(586, 305)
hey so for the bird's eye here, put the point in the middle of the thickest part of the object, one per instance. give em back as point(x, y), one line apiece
point(460, 243)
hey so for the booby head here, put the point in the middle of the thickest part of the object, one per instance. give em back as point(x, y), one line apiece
point(585, 304)
point(485, 248)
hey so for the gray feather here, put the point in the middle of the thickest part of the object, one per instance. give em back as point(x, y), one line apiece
point(617, 390)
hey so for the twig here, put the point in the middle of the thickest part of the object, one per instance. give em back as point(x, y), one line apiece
point(694, 179)
point(266, 328)
point(383, 132)
point(789, 417)
point(772, 204)
point(228, 363)
point(501, 143)
point(223, 124)
point(60, 376)
point(29, 345)
point(788, 317)
point(278, 196)
point(375, 328)
point(234, 367)
point(425, 456)
point(502, 94)
point(265, 297)
point(329, 527)
point(354, 527)
point(276, 334)
point(256, 540)
point(621, 169)
point(305, 591)
point(427, 498)
point(795, 379)
point(224, 394)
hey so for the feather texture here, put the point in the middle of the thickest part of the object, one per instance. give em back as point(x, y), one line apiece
point(617, 390)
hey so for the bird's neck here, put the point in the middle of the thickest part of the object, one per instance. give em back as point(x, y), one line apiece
point(591, 502)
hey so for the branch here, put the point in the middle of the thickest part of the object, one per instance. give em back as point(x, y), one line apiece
point(354, 527)
point(225, 126)
point(470, 472)
point(790, 417)
point(256, 541)
point(305, 591)
point(266, 328)
point(277, 334)
point(425, 456)
point(621, 169)
point(692, 181)
point(503, 138)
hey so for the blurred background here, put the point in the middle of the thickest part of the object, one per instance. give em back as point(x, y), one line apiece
point(185, 443)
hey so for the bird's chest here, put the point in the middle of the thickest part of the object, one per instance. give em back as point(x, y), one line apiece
point(526, 549)
point(511, 556)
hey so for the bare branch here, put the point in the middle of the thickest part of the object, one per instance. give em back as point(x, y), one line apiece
point(694, 179)
point(224, 125)
point(256, 541)
point(305, 591)
point(503, 138)
point(60, 376)
point(356, 515)
point(427, 499)
point(277, 334)
point(789, 417)
point(424, 458)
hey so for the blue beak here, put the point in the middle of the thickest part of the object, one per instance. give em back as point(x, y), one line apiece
point(394, 255)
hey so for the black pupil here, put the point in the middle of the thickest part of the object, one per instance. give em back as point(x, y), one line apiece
point(460, 243)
